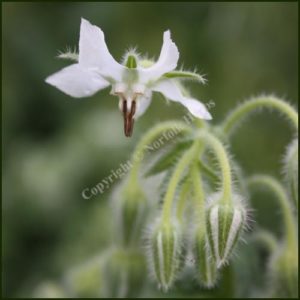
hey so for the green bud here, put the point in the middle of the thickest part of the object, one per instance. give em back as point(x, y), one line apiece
point(284, 273)
point(291, 170)
point(124, 274)
point(86, 280)
point(224, 223)
point(205, 264)
point(165, 254)
point(130, 214)
point(131, 62)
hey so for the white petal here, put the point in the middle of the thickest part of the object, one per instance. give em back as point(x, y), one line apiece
point(167, 61)
point(93, 52)
point(77, 81)
point(171, 91)
point(142, 105)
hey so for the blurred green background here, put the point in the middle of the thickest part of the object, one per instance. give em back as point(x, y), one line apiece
point(55, 146)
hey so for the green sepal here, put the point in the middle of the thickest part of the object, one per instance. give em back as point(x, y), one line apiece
point(131, 62)
point(184, 75)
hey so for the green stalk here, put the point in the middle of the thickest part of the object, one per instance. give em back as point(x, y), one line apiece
point(181, 166)
point(148, 138)
point(184, 193)
point(222, 157)
point(288, 217)
point(237, 115)
point(198, 195)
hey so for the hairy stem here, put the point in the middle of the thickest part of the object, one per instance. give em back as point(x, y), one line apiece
point(242, 111)
point(199, 200)
point(183, 195)
point(181, 166)
point(222, 157)
point(148, 138)
point(288, 217)
point(204, 138)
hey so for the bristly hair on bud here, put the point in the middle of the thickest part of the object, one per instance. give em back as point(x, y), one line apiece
point(224, 225)
point(290, 170)
point(164, 253)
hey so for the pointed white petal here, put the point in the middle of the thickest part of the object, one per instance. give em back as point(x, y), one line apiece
point(93, 52)
point(142, 105)
point(171, 91)
point(196, 108)
point(167, 61)
point(77, 81)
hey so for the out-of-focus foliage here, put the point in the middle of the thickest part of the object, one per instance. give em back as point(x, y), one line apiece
point(54, 146)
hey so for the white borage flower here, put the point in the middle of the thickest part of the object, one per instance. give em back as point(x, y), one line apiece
point(133, 81)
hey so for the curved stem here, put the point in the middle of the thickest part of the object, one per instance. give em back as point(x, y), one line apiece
point(198, 195)
point(149, 137)
point(196, 185)
point(238, 114)
point(267, 239)
point(278, 190)
point(223, 160)
point(183, 163)
point(184, 193)
point(207, 170)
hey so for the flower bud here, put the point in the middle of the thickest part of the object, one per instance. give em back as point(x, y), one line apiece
point(224, 223)
point(291, 170)
point(124, 274)
point(165, 253)
point(205, 264)
point(86, 280)
point(284, 273)
point(130, 214)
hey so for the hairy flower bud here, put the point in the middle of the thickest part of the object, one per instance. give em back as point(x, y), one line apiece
point(124, 274)
point(224, 223)
point(205, 264)
point(130, 212)
point(86, 280)
point(291, 170)
point(165, 253)
point(284, 273)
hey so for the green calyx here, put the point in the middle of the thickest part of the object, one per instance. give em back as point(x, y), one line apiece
point(184, 75)
point(131, 62)
point(131, 214)
point(205, 264)
point(166, 254)
point(224, 224)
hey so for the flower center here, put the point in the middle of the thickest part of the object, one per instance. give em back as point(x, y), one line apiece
point(128, 108)
point(128, 104)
